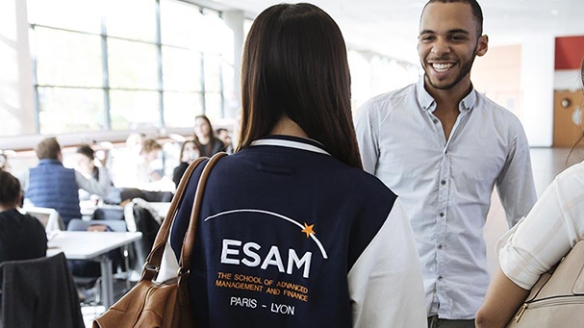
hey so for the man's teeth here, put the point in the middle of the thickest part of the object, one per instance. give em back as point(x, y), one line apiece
point(442, 67)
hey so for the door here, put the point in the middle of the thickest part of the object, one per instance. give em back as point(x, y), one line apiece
point(568, 117)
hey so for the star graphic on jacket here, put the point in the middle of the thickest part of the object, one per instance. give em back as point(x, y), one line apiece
point(308, 230)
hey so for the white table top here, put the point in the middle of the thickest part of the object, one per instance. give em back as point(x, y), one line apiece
point(83, 245)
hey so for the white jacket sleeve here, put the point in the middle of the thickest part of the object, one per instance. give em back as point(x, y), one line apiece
point(385, 284)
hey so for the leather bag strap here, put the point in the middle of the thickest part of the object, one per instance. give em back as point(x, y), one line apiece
point(152, 263)
point(189, 241)
point(184, 269)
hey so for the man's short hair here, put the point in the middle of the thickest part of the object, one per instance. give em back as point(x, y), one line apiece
point(218, 131)
point(49, 148)
point(477, 12)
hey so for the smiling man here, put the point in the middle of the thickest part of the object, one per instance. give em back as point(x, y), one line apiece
point(441, 147)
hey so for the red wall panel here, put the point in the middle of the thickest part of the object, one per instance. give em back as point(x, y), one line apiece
point(569, 52)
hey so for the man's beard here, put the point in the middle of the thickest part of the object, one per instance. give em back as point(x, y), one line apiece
point(464, 70)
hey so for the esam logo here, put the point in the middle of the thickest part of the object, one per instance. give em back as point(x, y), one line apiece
point(234, 253)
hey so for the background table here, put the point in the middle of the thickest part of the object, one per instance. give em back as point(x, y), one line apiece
point(82, 245)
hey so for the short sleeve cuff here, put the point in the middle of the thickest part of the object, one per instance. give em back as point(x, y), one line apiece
point(516, 268)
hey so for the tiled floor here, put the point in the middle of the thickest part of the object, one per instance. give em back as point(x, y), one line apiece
point(546, 164)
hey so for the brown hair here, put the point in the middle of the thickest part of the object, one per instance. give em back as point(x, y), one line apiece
point(295, 65)
point(49, 148)
point(150, 145)
point(206, 119)
point(9, 189)
point(86, 150)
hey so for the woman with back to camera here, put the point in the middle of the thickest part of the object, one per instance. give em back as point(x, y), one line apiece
point(292, 232)
point(535, 244)
point(207, 142)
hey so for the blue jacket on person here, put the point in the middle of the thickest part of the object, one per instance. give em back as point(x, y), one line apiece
point(289, 236)
point(52, 185)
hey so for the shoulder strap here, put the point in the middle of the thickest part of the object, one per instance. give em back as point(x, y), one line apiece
point(187, 248)
point(152, 264)
point(184, 269)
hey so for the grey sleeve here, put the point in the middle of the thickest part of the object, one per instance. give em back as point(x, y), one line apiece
point(515, 182)
point(93, 186)
point(367, 131)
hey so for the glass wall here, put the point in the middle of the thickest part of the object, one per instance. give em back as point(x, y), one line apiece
point(126, 64)
point(373, 74)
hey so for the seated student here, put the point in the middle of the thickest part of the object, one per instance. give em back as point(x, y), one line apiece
point(22, 236)
point(204, 137)
point(85, 164)
point(189, 152)
point(85, 160)
point(224, 136)
point(535, 244)
point(52, 185)
point(150, 168)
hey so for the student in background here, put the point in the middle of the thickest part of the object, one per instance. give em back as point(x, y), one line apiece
point(52, 185)
point(85, 160)
point(189, 151)
point(85, 164)
point(22, 236)
point(208, 143)
point(151, 167)
point(292, 212)
point(442, 146)
point(224, 136)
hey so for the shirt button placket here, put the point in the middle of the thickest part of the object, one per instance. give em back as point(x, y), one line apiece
point(441, 222)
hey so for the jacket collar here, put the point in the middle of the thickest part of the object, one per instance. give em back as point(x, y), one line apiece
point(291, 142)
point(47, 161)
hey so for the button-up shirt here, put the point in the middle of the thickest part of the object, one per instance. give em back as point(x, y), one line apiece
point(446, 185)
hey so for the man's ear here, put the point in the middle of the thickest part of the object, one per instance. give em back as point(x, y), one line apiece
point(483, 45)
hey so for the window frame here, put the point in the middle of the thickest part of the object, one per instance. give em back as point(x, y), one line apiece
point(105, 71)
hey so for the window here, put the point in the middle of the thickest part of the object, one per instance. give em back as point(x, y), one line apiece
point(95, 71)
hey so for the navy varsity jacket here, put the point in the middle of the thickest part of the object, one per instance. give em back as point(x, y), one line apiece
point(289, 236)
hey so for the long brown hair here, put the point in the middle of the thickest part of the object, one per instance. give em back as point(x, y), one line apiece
point(295, 65)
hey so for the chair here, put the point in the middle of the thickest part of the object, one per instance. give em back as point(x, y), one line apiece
point(81, 225)
point(49, 217)
point(39, 293)
point(139, 217)
point(108, 212)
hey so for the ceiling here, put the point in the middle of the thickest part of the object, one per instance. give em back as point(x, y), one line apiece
point(390, 27)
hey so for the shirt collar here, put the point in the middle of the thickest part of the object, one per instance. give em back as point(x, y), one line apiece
point(49, 161)
point(428, 103)
point(291, 142)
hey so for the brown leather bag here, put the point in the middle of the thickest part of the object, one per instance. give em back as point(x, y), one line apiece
point(162, 305)
point(557, 299)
